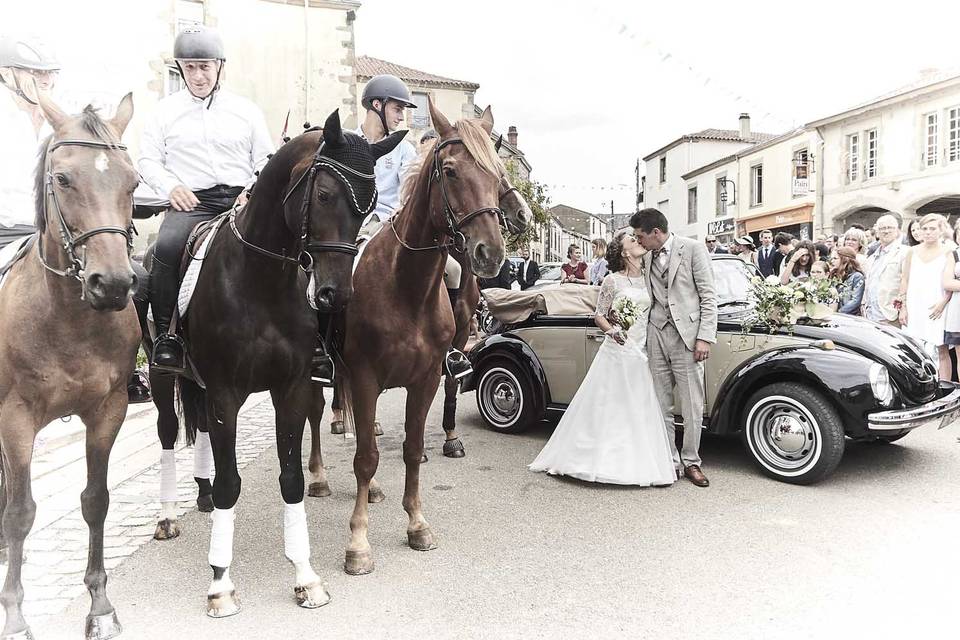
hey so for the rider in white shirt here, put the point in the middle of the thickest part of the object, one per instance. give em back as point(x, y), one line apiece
point(202, 149)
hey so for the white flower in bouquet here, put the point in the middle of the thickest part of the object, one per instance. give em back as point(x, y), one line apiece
point(627, 312)
point(772, 280)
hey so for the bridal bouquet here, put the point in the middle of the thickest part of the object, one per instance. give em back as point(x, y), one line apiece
point(626, 311)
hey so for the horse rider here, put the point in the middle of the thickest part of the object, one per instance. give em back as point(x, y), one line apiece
point(202, 149)
point(25, 67)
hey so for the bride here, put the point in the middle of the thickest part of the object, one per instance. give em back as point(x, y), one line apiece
point(613, 431)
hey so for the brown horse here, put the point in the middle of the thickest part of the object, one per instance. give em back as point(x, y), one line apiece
point(68, 337)
point(398, 324)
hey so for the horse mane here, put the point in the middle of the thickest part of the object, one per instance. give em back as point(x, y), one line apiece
point(94, 125)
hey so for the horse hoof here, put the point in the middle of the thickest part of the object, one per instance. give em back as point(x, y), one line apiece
point(375, 495)
point(167, 529)
point(103, 626)
point(377, 429)
point(222, 605)
point(311, 596)
point(421, 540)
point(453, 448)
point(336, 427)
point(358, 563)
point(205, 503)
point(319, 490)
point(19, 635)
point(424, 458)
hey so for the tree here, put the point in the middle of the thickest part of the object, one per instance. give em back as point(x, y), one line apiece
point(535, 193)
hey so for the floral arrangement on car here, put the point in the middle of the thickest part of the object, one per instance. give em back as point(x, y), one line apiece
point(781, 305)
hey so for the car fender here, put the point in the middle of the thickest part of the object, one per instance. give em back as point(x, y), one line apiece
point(510, 347)
point(842, 376)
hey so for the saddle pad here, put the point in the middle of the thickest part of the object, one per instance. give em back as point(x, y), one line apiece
point(189, 282)
point(10, 254)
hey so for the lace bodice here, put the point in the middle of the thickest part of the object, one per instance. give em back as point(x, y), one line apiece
point(616, 285)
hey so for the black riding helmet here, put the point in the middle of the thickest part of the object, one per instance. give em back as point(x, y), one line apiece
point(18, 54)
point(199, 43)
point(385, 87)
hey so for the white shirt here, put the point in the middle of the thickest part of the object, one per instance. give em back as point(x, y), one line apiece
point(390, 170)
point(187, 143)
point(20, 147)
point(663, 258)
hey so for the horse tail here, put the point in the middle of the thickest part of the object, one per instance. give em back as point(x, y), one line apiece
point(342, 385)
point(192, 399)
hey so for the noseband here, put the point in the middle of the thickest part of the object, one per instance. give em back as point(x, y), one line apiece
point(70, 242)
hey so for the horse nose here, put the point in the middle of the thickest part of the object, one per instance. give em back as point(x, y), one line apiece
point(111, 291)
point(328, 298)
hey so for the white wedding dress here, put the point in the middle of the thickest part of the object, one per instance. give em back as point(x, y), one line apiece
point(613, 430)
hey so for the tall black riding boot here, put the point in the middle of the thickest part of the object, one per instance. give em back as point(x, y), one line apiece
point(322, 371)
point(456, 362)
point(168, 349)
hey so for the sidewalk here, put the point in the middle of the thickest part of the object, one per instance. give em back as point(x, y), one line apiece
point(56, 548)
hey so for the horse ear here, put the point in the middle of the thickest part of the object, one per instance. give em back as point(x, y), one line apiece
point(124, 114)
point(440, 122)
point(388, 144)
point(499, 143)
point(486, 120)
point(332, 131)
point(51, 112)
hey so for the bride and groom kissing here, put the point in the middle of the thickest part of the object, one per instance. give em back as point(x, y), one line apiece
point(619, 429)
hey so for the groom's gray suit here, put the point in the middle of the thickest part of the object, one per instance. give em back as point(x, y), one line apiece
point(684, 310)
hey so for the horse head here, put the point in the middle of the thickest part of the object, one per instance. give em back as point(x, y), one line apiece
point(466, 204)
point(84, 188)
point(339, 192)
point(516, 211)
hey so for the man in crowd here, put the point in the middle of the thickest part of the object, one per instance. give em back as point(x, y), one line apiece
point(529, 270)
point(766, 254)
point(713, 246)
point(881, 301)
point(784, 243)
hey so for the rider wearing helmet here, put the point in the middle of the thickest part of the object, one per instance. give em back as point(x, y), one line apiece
point(202, 149)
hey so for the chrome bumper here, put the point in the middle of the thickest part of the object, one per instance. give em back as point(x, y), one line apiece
point(945, 409)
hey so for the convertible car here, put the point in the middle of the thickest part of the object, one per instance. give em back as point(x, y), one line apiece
point(793, 395)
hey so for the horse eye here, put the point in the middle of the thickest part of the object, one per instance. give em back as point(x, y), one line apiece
point(450, 172)
point(323, 196)
point(62, 180)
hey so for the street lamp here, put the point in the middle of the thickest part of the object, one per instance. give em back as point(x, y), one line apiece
point(723, 190)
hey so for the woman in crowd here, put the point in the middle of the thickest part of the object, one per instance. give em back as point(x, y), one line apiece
point(819, 270)
point(857, 240)
point(951, 283)
point(911, 236)
point(745, 250)
point(797, 265)
point(922, 292)
point(849, 274)
point(598, 268)
point(575, 269)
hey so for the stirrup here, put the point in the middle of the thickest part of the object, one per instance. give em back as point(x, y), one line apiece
point(175, 362)
point(322, 369)
point(456, 364)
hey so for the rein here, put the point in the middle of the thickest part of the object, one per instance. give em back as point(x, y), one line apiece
point(70, 242)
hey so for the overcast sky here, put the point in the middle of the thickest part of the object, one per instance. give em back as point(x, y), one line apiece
point(591, 86)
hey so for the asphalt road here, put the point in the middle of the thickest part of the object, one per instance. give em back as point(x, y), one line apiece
point(867, 553)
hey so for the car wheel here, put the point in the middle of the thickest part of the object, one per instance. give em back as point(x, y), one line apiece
point(505, 397)
point(793, 433)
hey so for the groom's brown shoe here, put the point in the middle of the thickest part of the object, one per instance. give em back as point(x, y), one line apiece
point(696, 476)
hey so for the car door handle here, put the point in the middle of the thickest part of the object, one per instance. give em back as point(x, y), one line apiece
point(597, 336)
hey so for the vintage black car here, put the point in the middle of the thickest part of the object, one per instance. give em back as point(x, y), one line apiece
point(794, 395)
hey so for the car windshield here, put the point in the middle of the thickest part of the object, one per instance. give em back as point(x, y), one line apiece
point(732, 280)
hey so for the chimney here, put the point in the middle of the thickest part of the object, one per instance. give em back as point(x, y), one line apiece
point(744, 126)
point(512, 135)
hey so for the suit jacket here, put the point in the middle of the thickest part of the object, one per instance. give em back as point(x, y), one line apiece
point(692, 296)
point(777, 262)
point(500, 281)
point(885, 278)
point(768, 265)
point(531, 276)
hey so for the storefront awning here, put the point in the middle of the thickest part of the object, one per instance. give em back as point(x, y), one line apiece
point(775, 219)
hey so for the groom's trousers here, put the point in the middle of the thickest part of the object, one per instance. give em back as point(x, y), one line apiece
point(672, 364)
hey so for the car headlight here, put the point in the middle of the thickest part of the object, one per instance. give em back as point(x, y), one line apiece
point(880, 384)
point(931, 350)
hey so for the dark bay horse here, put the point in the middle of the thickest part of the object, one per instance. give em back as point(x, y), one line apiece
point(68, 337)
point(399, 324)
point(250, 326)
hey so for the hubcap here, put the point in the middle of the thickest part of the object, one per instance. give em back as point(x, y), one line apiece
point(500, 397)
point(783, 435)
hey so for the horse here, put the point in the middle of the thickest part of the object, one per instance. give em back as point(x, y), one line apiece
point(252, 324)
point(399, 324)
point(68, 335)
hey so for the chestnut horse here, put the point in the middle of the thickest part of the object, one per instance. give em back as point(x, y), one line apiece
point(399, 324)
point(250, 326)
point(68, 335)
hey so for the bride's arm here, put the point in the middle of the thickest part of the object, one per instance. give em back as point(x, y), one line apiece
point(604, 302)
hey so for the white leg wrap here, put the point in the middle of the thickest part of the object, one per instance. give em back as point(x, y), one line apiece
point(221, 538)
point(168, 510)
point(202, 456)
point(168, 476)
point(296, 542)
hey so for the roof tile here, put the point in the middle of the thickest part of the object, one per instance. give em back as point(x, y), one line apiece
point(367, 67)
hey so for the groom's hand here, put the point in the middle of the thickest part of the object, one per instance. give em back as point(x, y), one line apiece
point(701, 350)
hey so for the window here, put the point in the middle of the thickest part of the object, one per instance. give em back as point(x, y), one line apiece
point(756, 185)
point(872, 154)
point(931, 130)
point(664, 207)
point(853, 157)
point(663, 169)
point(722, 197)
point(420, 116)
point(174, 81)
point(691, 205)
point(953, 134)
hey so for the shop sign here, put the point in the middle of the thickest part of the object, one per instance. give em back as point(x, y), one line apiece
point(720, 227)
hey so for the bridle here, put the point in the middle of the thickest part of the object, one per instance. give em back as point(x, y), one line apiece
point(70, 242)
point(304, 258)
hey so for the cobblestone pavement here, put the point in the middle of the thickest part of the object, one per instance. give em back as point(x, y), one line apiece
point(56, 548)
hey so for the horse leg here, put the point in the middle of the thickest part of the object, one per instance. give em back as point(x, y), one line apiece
point(202, 464)
point(222, 600)
point(319, 487)
point(359, 556)
point(16, 445)
point(452, 447)
point(167, 427)
point(103, 425)
point(292, 408)
point(419, 397)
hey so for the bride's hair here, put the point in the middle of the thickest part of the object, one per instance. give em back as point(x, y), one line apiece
point(615, 253)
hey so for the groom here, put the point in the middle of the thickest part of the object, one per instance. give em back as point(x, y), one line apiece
point(682, 326)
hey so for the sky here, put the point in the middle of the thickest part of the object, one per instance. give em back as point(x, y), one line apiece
point(593, 86)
